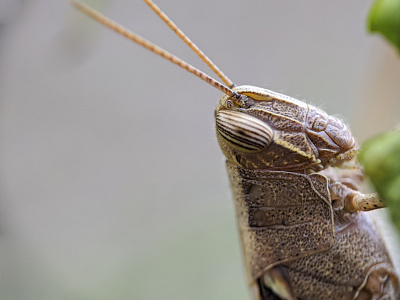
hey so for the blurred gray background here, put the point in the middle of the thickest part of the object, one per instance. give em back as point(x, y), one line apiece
point(112, 185)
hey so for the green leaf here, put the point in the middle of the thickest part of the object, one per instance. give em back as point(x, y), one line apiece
point(384, 18)
point(381, 159)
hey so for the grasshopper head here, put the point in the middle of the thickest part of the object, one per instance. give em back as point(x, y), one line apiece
point(272, 131)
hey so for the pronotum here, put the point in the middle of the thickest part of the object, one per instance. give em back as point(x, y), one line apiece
point(304, 224)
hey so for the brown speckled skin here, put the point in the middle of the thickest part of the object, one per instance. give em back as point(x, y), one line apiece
point(285, 215)
point(319, 256)
point(281, 216)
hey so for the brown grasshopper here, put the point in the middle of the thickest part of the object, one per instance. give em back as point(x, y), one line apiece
point(303, 223)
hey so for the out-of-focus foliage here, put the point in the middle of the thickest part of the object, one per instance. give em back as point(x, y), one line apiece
point(381, 159)
point(384, 18)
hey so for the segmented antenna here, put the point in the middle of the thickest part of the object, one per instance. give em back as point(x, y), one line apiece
point(153, 47)
point(188, 42)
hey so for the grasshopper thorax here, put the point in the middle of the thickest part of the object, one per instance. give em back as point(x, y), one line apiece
point(269, 130)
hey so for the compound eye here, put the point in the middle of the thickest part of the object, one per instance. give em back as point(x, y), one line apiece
point(243, 132)
point(320, 123)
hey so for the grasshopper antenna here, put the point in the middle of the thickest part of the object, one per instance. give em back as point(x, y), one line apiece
point(188, 42)
point(154, 48)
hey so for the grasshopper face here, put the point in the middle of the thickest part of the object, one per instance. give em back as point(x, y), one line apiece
point(273, 131)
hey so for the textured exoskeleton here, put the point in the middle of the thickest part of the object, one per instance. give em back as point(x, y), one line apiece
point(295, 179)
point(302, 221)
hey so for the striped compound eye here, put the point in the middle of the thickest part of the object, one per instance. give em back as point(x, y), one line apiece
point(243, 132)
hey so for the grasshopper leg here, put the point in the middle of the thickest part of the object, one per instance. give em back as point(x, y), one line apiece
point(379, 284)
point(277, 284)
point(344, 186)
point(344, 197)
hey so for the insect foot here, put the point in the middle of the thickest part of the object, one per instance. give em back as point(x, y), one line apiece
point(303, 228)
